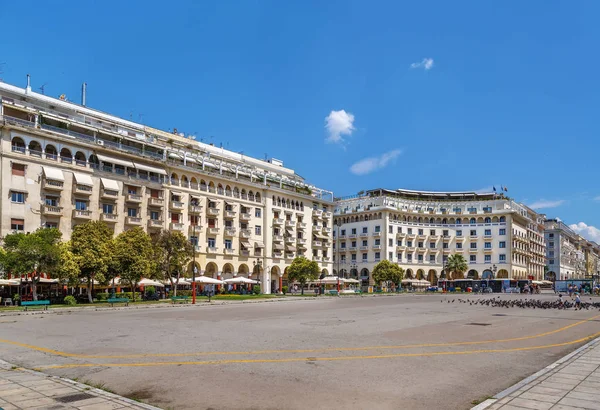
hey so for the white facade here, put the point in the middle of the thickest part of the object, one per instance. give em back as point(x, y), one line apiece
point(419, 230)
point(63, 164)
point(566, 258)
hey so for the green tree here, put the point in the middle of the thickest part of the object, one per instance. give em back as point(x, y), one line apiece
point(386, 271)
point(303, 270)
point(133, 256)
point(68, 269)
point(172, 252)
point(91, 244)
point(33, 253)
point(456, 265)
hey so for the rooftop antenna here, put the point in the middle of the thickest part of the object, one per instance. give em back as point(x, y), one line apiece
point(28, 89)
point(42, 88)
point(83, 93)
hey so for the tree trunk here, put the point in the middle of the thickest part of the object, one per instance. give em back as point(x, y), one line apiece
point(175, 285)
point(34, 288)
point(133, 287)
point(302, 289)
point(89, 289)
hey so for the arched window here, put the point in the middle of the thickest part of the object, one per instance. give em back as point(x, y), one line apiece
point(472, 221)
point(52, 153)
point(257, 197)
point(66, 156)
point(174, 179)
point(458, 221)
point(18, 145)
point(35, 148)
point(502, 219)
point(80, 159)
point(488, 220)
point(250, 196)
point(93, 160)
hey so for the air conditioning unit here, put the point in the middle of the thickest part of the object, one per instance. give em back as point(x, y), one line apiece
point(100, 142)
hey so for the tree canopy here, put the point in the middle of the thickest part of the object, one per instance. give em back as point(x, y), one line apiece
point(133, 256)
point(456, 265)
point(172, 252)
point(386, 271)
point(303, 270)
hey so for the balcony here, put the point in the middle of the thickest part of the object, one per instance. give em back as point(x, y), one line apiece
point(473, 250)
point(400, 234)
point(245, 233)
point(195, 209)
point(421, 250)
point(277, 238)
point(317, 213)
point(364, 248)
point(301, 241)
point(378, 247)
point(53, 185)
point(133, 220)
point(301, 225)
point(460, 238)
point(194, 229)
point(245, 252)
point(400, 247)
point(377, 233)
point(487, 236)
point(488, 250)
point(156, 202)
point(212, 211)
point(326, 229)
point(50, 210)
point(411, 236)
point(289, 255)
point(421, 236)
point(82, 214)
point(82, 189)
point(316, 258)
point(229, 251)
point(363, 235)
point(434, 237)
point(277, 254)
point(244, 216)
point(290, 239)
point(212, 249)
point(176, 226)
point(213, 230)
point(155, 224)
point(317, 227)
point(278, 221)
point(107, 194)
point(326, 258)
point(229, 231)
point(178, 205)
point(109, 218)
point(290, 222)
point(317, 243)
point(327, 214)
point(410, 248)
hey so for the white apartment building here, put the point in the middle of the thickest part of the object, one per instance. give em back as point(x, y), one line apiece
point(569, 255)
point(64, 164)
point(418, 230)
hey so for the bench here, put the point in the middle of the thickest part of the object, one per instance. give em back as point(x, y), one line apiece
point(112, 301)
point(333, 292)
point(36, 303)
point(179, 299)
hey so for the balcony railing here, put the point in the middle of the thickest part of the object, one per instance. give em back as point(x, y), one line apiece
point(244, 216)
point(176, 226)
point(277, 238)
point(134, 198)
point(82, 214)
point(155, 223)
point(228, 251)
point(317, 243)
point(245, 252)
point(213, 211)
point(108, 194)
point(133, 220)
point(156, 201)
point(229, 214)
point(245, 233)
point(109, 218)
point(229, 231)
point(212, 249)
point(277, 221)
point(83, 190)
point(195, 209)
point(177, 205)
point(214, 230)
point(301, 225)
point(52, 210)
point(52, 184)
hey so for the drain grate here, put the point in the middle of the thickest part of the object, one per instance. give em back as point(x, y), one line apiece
point(479, 324)
point(71, 398)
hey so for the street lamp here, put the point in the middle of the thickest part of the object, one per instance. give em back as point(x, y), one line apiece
point(195, 269)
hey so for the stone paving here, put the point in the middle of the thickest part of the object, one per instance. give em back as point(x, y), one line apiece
point(571, 383)
point(27, 389)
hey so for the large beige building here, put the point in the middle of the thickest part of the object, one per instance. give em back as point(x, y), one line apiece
point(418, 230)
point(64, 164)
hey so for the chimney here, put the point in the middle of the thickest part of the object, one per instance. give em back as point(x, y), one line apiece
point(28, 89)
point(83, 93)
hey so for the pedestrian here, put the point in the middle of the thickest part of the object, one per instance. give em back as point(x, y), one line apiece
point(561, 302)
point(577, 302)
point(571, 291)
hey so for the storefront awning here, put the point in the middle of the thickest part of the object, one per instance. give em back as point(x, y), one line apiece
point(245, 244)
point(259, 244)
point(110, 184)
point(115, 161)
point(54, 174)
point(278, 246)
point(290, 248)
point(150, 169)
point(83, 179)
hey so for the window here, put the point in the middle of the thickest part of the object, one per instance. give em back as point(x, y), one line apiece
point(343, 232)
point(17, 197)
point(459, 245)
point(390, 229)
point(257, 230)
point(365, 243)
point(445, 232)
point(390, 256)
point(211, 242)
point(551, 261)
point(18, 169)
point(343, 245)
point(431, 245)
point(551, 254)
point(364, 256)
point(343, 258)
point(227, 243)
point(420, 232)
point(459, 233)
point(551, 244)
point(445, 245)
point(472, 221)
point(378, 228)
point(195, 220)
point(257, 212)
point(51, 200)
point(409, 257)
point(473, 232)
point(551, 235)
point(502, 219)
point(420, 258)
point(133, 191)
point(487, 258)
point(473, 245)
point(457, 210)
point(487, 245)
point(377, 256)
point(409, 244)
point(473, 258)
point(17, 224)
point(377, 241)
point(194, 240)
point(399, 242)
point(353, 231)
point(399, 229)
point(132, 212)
point(107, 208)
point(228, 224)
point(431, 258)
point(80, 205)
point(51, 225)
point(432, 232)
point(420, 245)
point(488, 232)
point(154, 215)
point(390, 242)
point(502, 258)
point(354, 257)
point(502, 244)
point(502, 231)
point(409, 231)
point(354, 244)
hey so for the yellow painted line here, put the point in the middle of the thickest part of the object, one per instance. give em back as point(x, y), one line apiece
point(256, 352)
point(318, 359)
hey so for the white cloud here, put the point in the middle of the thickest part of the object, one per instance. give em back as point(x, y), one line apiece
point(368, 165)
point(427, 64)
point(338, 124)
point(587, 231)
point(597, 198)
point(543, 204)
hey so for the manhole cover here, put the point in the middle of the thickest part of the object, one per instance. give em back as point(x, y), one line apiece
point(498, 314)
point(479, 324)
point(71, 398)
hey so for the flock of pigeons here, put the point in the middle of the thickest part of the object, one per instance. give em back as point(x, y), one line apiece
point(528, 303)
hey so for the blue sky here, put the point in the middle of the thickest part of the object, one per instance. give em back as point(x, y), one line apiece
point(431, 95)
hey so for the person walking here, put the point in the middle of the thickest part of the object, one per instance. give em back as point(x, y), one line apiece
point(577, 302)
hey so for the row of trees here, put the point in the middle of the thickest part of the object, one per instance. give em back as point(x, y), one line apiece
point(93, 254)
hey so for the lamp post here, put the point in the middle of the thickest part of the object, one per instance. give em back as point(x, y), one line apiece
point(494, 269)
point(194, 269)
point(338, 223)
point(354, 266)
